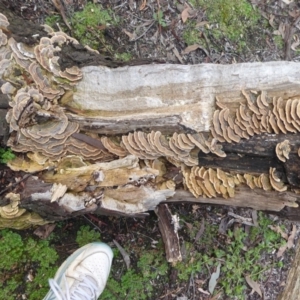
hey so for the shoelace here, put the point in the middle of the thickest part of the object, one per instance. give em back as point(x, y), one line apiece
point(85, 289)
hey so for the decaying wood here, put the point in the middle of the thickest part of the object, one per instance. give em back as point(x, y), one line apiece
point(292, 284)
point(168, 226)
point(244, 197)
point(122, 140)
point(172, 97)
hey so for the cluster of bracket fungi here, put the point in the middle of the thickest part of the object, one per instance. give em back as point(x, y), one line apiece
point(258, 115)
point(213, 183)
point(39, 124)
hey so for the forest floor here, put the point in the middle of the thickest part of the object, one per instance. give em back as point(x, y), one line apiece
point(246, 246)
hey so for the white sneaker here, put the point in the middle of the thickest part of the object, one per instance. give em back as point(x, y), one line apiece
point(83, 275)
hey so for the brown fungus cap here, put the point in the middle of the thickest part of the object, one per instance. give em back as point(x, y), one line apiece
point(282, 150)
point(275, 181)
point(113, 146)
point(162, 144)
point(3, 38)
point(199, 141)
point(3, 21)
point(216, 148)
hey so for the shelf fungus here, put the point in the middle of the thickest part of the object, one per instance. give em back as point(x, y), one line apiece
point(96, 145)
point(12, 216)
point(256, 116)
point(181, 147)
point(282, 150)
point(210, 183)
point(37, 122)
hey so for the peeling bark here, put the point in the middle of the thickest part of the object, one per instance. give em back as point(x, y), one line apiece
point(168, 226)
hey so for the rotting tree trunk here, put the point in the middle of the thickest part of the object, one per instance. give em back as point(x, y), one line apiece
point(102, 103)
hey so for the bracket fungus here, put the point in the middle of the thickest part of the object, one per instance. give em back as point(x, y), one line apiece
point(282, 150)
point(263, 115)
point(207, 182)
point(12, 216)
point(125, 169)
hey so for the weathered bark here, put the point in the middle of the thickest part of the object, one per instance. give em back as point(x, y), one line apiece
point(292, 283)
point(168, 226)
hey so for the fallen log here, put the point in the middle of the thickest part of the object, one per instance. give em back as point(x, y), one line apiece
point(115, 139)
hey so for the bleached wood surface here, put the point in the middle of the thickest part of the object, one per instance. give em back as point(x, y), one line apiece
point(172, 97)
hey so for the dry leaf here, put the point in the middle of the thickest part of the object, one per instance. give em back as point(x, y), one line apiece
point(294, 13)
point(216, 296)
point(292, 237)
point(203, 291)
point(189, 225)
point(281, 250)
point(289, 244)
point(287, 1)
point(282, 30)
point(185, 14)
point(125, 255)
point(201, 24)
point(296, 43)
point(201, 231)
point(213, 279)
point(44, 231)
point(195, 208)
point(271, 21)
point(132, 36)
point(189, 49)
point(143, 5)
point(175, 51)
point(254, 285)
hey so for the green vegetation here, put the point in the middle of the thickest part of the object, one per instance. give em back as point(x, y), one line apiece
point(191, 35)
point(141, 282)
point(239, 253)
point(6, 155)
point(88, 25)
point(279, 42)
point(126, 56)
point(17, 257)
point(234, 20)
point(237, 260)
point(86, 235)
point(159, 18)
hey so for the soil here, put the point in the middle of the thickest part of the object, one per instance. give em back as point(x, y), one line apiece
point(145, 38)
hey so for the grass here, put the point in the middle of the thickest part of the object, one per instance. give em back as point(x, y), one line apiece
point(191, 34)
